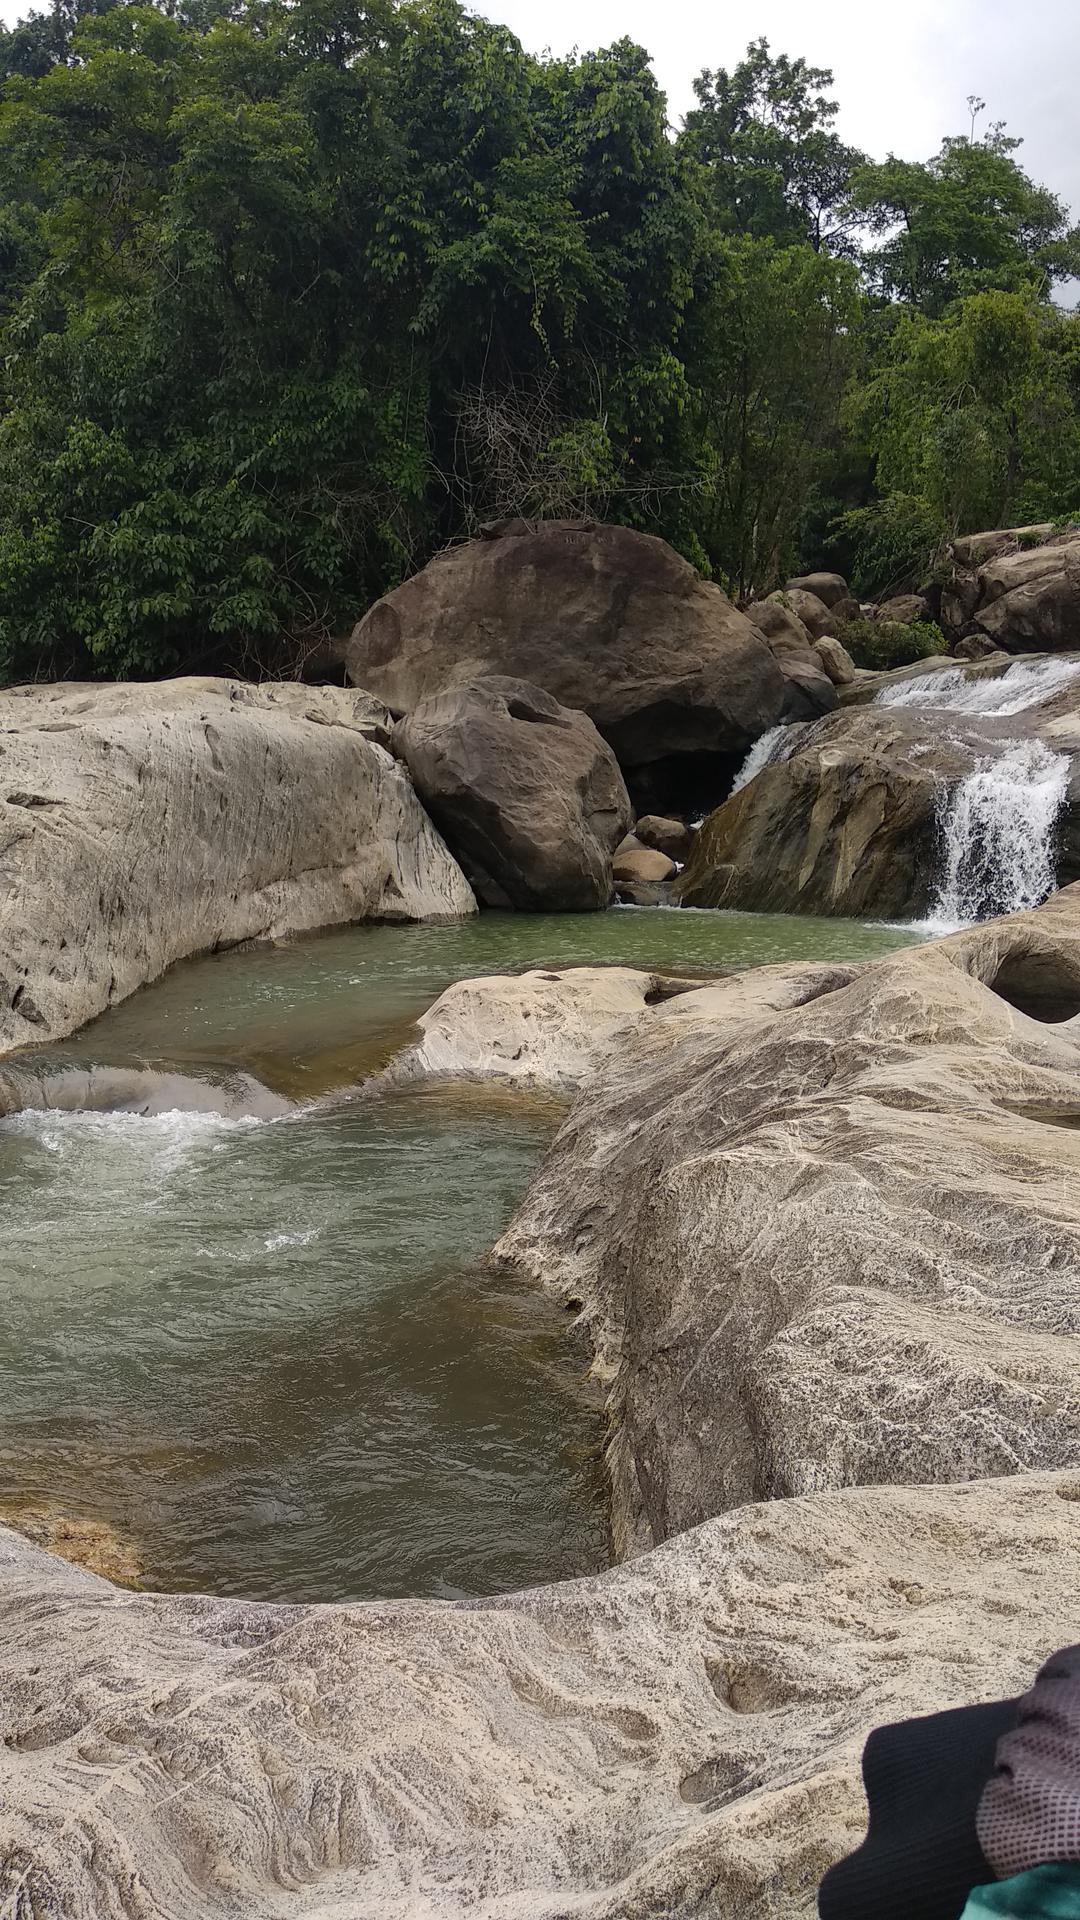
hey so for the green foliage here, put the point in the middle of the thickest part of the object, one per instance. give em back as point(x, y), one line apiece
point(770, 339)
point(965, 222)
point(293, 292)
point(764, 135)
point(974, 413)
point(889, 546)
point(883, 644)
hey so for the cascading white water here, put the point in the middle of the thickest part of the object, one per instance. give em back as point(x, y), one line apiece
point(998, 835)
point(776, 745)
point(951, 690)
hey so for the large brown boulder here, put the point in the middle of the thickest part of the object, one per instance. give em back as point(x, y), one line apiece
point(845, 822)
point(526, 792)
point(831, 588)
point(609, 621)
point(815, 616)
point(1019, 587)
point(868, 812)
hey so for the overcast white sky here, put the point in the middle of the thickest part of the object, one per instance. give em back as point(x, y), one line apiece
point(903, 71)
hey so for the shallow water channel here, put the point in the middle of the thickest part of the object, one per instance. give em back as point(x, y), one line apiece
point(265, 1354)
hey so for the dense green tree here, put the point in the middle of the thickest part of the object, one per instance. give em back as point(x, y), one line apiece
point(292, 292)
point(776, 168)
point(967, 221)
point(975, 414)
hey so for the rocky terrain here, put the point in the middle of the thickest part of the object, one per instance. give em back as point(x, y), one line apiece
point(819, 1222)
point(851, 815)
point(821, 1225)
point(610, 622)
point(140, 824)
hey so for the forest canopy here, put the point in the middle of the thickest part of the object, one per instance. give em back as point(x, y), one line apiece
point(294, 294)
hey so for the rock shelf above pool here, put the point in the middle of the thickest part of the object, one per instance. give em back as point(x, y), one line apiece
point(141, 824)
point(678, 1736)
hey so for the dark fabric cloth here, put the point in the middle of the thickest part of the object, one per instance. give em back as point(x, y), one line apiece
point(1029, 1814)
point(921, 1856)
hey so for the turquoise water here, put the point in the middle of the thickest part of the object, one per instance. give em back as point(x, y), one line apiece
point(265, 1353)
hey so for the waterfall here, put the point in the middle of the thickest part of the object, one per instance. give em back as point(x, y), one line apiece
point(998, 835)
point(951, 690)
point(776, 745)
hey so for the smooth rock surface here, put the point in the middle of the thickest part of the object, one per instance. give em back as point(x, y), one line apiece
point(677, 1736)
point(526, 792)
point(836, 660)
point(846, 823)
point(143, 823)
point(826, 587)
point(831, 1242)
point(542, 1028)
point(812, 613)
point(672, 837)
point(611, 622)
point(643, 863)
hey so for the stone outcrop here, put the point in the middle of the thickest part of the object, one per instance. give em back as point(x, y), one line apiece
point(1018, 587)
point(672, 837)
point(612, 623)
point(140, 824)
point(904, 608)
point(676, 1736)
point(829, 588)
point(845, 823)
point(836, 661)
point(812, 613)
point(845, 816)
point(829, 1234)
point(543, 1028)
point(526, 792)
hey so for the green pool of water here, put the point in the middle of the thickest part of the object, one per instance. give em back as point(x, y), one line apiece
point(266, 1353)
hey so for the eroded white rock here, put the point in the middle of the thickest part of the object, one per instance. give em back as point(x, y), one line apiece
point(678, 1736)
point(140, 824)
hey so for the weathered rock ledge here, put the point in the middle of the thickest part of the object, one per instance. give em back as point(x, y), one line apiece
point(141, 824)
point(835, 1242)
point(680, 1735)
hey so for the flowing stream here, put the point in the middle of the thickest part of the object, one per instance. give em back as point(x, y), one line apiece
point(259, 1351)
point(998, 831)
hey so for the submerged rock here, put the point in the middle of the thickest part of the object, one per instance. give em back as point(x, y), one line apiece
point(831, 1235)
point(140, 824)
point(678, 1736)
point(528, 795)
point(611, 622)
point(49, 1086)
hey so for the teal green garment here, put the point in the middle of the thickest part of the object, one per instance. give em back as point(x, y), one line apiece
point(1046, 1893)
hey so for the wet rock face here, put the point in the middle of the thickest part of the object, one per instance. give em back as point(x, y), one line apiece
point(849, 816)
point(611, 622)
point(140, 824)
point(832, 1242)
point(677, 1736)
point(525, 791)
point(846, 824)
